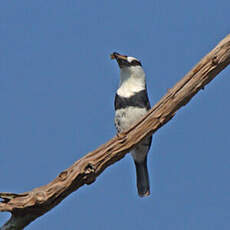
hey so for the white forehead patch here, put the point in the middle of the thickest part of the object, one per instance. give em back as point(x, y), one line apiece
point(130, 59)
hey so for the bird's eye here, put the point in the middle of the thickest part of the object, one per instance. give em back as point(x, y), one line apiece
point(135, 62)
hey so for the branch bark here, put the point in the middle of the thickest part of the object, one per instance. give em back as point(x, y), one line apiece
point(28, 206)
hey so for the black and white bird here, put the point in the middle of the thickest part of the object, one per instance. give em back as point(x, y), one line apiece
point(131, 104)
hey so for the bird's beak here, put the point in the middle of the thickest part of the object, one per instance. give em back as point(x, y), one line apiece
point(118, 56)
point(121, 59)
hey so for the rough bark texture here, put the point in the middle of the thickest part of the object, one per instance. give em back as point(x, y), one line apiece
point(27, 206)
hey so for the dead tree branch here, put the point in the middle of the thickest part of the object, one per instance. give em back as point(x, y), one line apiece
point(26, 207)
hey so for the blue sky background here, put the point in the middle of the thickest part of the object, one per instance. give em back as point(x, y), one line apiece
point(57, 85)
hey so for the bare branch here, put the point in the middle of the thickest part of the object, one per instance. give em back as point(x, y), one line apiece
point(27, 206)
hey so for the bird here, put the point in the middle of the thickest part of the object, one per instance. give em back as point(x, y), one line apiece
point(131, 104)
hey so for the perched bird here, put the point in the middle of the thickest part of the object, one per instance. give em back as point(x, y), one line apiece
point(131, 104)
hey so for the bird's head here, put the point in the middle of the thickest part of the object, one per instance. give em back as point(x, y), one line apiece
point(129, 66)
point(125, 61)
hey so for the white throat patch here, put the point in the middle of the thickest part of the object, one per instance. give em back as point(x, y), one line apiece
point(132, 80)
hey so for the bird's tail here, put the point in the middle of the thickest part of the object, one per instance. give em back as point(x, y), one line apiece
point(142, 178)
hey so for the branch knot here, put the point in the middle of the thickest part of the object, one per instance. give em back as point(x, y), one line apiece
point(90, 175)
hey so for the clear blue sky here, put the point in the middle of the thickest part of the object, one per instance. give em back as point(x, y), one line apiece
point(57, 85)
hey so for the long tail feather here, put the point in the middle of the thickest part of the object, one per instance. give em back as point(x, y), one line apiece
point(142, 178)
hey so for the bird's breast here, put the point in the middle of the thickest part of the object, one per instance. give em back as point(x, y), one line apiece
point(126, 117)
